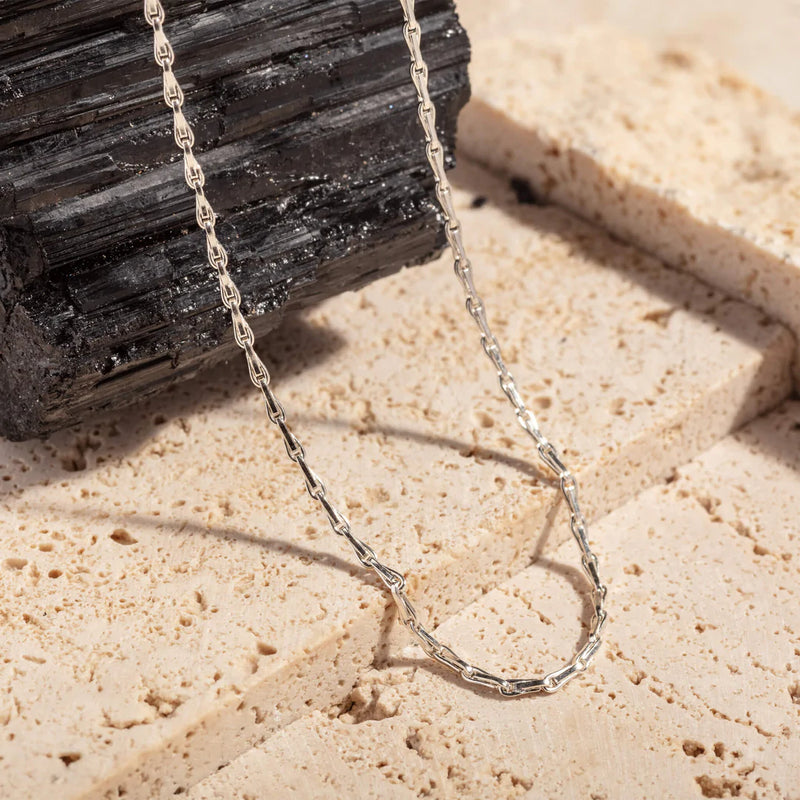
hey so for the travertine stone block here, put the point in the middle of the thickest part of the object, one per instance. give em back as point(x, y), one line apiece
point(171, 596)
point(694, 694)
point(667, 149)
point(758, 39)
point(749, 481)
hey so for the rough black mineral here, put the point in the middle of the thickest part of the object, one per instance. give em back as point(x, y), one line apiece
point(306, 126)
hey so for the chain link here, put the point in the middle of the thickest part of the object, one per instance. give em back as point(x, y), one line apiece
point(217, 255)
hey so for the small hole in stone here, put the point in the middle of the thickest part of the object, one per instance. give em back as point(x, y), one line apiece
point(794, 692)
point(479, 201)
point(524, 192)
point(692, 748)
point(265, 649)
point(16, 563)
point(159, 419)
point(70, 758)
point(74, 463)
point(55, 573)
point(617, 406)
point(484, 420)
point(121, 536)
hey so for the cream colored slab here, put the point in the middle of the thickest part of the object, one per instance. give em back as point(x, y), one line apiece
point(667, 149)
point(749, 481)
point(758, 39)
point(695, 693)
point(170, 594)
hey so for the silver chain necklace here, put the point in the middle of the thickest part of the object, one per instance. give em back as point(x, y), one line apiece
point(243, 334)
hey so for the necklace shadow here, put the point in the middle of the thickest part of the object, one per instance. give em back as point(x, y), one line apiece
point(347, 564)
point(386, 659)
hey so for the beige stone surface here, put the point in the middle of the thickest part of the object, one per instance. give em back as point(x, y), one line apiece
point(171, 596)
point(695, 693)
point(758, 39)
point(749, 481)
point(667, 149)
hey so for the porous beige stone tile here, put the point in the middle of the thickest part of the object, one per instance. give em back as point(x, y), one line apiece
point(665, 148)
point(758, 39)
point(695, 693)
point(171, 596)
point(749, 481)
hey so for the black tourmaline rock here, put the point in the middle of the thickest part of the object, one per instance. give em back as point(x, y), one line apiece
point(305, 119)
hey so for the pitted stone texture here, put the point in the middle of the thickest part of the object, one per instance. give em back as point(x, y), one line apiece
point(667, 149)
point(694, 694)
point(171, 594)
point(758, 39)
point(749, 481)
